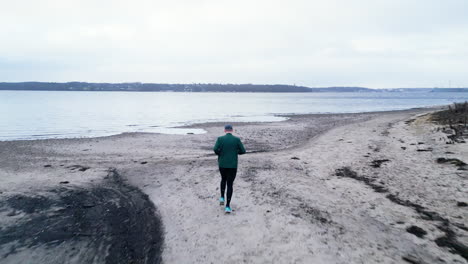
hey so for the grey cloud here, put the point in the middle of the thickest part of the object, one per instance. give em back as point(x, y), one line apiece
point(315, 43)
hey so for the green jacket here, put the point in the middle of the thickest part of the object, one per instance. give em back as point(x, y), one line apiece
point(227, 147)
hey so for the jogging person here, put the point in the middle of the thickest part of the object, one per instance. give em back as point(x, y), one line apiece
point(227, 148)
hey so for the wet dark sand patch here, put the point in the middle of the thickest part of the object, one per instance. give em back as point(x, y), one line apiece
point(449, 240)
point(412, 259)
point(250, 174)
point(460, 164)
point(409, 121)
point(348, 173)
point(78, 167)
point(424, 150)
point(314, 215)
point(115, 222)
point(417, 231)
point(377, 163)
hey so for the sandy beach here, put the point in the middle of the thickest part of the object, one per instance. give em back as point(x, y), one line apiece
point(329, 188)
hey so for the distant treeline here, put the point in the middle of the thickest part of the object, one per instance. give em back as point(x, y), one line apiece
point(208, 87)
point(150, 87)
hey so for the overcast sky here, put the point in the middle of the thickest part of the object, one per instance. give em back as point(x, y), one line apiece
point(372, 43)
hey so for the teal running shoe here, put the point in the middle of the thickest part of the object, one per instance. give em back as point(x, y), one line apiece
point(227, 210)
point(221, 200)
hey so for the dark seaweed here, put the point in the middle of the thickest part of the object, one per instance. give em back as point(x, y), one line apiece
point(449, 238)
point(115, 219)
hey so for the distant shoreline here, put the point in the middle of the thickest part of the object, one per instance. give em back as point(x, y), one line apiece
point(206, 87)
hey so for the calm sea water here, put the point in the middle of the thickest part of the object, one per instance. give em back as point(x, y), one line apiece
point(48, 114)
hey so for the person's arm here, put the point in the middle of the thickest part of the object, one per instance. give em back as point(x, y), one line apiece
point(217, 147)
point(241, 149)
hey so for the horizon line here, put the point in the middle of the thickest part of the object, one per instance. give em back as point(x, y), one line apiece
point(253, 84)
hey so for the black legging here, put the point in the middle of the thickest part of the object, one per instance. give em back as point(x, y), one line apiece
point(228, 175)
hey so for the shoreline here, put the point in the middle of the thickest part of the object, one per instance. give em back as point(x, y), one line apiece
point(204, 124)
point(290, 204)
